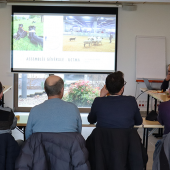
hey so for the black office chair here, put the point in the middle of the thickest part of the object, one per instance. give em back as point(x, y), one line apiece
point(116, 149)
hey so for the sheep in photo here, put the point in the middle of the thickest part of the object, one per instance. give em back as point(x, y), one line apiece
point(87, 42)
point(73, 39)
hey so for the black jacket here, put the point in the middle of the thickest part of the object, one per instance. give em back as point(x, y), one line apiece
point(165, 85)
point(9, 151)
point(115, 149)
point(6, 118)
point(53, 151)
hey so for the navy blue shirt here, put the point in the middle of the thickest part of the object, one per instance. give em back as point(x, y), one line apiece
point(165, 85)
point(115, 112)
point(164, 116)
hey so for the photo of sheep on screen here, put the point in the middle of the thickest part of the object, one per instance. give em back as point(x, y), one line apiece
point(28, 32)
point(89, 33)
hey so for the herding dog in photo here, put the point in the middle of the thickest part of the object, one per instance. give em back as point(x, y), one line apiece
point(33, 37)
point(21, 33)
point(73, 39)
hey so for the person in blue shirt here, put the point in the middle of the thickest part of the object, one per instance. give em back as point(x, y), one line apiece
point(54, 115)
point(115, 110)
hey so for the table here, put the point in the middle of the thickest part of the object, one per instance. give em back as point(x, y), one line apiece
point(6, 88)
point(162, 97)
point(22, 122)
point(147, 125)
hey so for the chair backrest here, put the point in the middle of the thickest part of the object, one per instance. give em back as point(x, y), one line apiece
point(114, 149)
point(9, 150)
point(54, 151)
point(161, 156)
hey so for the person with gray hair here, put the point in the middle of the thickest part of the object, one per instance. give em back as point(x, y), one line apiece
point(54, 115)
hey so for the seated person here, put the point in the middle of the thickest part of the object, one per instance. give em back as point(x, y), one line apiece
point(165, 83)
point(115, 110)
point(9, 148)
point(54, 115)
point(8, 121)
point(164, 116)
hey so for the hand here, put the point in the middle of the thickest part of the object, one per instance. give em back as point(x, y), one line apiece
point(1, 95)
point(103, 91)
point(168, 77)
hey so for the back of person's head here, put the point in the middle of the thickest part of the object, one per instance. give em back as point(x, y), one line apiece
point(115, 82)
point(1, 87)
point(53, 85)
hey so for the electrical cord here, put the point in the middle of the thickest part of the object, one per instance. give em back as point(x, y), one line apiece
point(142, 93)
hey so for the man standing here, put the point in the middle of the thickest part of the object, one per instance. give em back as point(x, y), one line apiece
point(110, 37)
point(165, 83)
point(54, 115)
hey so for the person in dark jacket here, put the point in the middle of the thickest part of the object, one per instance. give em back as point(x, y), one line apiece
point(8, 121)
point(9, 148)
point(116, 149)
point(165, 83)
point(9, 151)
point(164, 116)
point(54, 151)
point(115, 110)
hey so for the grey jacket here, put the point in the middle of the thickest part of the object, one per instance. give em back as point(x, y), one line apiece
point(165, 143)
point(54, 151)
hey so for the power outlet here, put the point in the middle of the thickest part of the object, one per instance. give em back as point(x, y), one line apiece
point(142, 103)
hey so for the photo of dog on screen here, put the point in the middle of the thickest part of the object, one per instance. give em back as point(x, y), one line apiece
point(21, 33)
point(37, 40)
point(28, 32)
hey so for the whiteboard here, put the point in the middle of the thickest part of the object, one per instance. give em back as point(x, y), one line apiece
point(150, 57)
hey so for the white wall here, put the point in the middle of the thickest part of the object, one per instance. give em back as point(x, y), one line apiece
point(5, 32)
point(149, 20)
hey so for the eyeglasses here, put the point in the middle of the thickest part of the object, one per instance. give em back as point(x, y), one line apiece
point(125, 83)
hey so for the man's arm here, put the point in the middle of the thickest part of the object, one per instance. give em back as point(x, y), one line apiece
point(103, 91)
point(14, 124)
point(79, 124)
point(165, 85)
point(160, 120)
point(138, 117)
point(12, 118)
point(79, 121)
point(29, 130)
point(92, 115)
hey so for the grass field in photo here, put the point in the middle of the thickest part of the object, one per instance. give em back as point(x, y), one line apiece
point(24, 44)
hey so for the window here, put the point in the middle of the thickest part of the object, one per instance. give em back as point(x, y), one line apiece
point(80, 89)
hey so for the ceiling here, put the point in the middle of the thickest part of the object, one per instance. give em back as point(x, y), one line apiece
point(89, 21)
point(98, 1)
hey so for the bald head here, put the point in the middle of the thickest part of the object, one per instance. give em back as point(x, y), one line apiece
point(53, 85)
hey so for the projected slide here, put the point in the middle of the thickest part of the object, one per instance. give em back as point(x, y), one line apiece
point(70, 43)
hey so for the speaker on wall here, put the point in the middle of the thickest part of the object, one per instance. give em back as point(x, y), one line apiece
point(129, 7)
point(2, 4)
